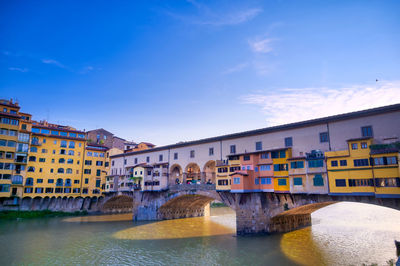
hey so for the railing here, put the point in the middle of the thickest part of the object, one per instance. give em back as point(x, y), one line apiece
point(181, 187)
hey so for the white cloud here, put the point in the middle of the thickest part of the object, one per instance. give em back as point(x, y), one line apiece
point(209, 17)
point(86, 70)
point(261, 46)
point(53, 62)
point(236, 68)
point(18, 69)
point(292, 105)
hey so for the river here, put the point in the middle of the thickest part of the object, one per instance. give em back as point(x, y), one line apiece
point(342, 234)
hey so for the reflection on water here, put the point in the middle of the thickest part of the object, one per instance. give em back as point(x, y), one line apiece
point(101, 218)
point(345, 234)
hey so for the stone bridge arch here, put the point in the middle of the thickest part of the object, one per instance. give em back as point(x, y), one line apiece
point(118, 204)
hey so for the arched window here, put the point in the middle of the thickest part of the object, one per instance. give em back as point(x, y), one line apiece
point(31, 169)
point(70, 161)
point(61, 160)
point(59, 182)
point(32, 158)
point(318, 180)
point(60, 170)
point(29, 181)
point(70, 152)
point(69, 171)
point(33, 149)
point(68, 182)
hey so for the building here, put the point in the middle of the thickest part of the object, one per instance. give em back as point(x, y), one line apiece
point(131, 146)
point(106, 138)
point(299, 153)
point(14, 147)
point(55, 162)
point(95, 168)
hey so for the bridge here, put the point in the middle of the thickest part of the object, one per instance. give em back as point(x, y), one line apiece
point(256, 212)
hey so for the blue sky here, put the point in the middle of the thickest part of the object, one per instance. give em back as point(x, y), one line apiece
point(170, 71)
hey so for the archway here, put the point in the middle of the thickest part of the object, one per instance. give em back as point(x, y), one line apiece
point(175, 174)
point(193, 174)
point(209, 172)
point(121, 203)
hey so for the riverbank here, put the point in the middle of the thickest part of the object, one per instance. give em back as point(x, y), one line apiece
point(11, 215)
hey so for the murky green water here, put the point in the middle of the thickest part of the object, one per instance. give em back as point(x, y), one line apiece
point(200, 241)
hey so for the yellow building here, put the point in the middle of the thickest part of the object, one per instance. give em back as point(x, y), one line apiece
point(95, 166)
point(55, 162)
point(281, 170)
point(364, 169)
point(14, 146)
point(223, 170)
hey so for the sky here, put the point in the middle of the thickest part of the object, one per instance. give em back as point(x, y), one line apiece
point(171, 71)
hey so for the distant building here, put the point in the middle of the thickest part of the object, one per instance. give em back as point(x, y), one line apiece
point(106, 138)
point(131, 146)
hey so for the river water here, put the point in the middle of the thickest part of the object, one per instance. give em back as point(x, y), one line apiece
point(342, 234)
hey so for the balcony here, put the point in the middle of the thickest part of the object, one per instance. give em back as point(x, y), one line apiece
point(35, 143)
point(17, 180)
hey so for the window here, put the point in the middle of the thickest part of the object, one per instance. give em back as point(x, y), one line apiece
point(366, 131)
point(354, 146)
point(391, 160)
point(334, 163)
point(282, 154)
point(289, 142)
point(266, 181)
point(282, 182)
point(236, 180)
point(50, 181)
point(361, 162)
point(318, 181)
point(297, 164)
point(256, 181)
point(76, 181)
point(136, 160)
point(99, 163)
point(160, 157)
point(29, 181)
point(11, 143)
point(124, 161)
point(364, 145)
point(61, 160)
point(39, 180)
point(31, 169)
point(86, 180)
point(315, 163)
point(88, 162)
point(264, 155)
point(147, 159)
point(89, 153)
point(62, 151)
point(192, 154)
point(69, 171)
point(32, 158)
point(87, 171)
point(51, 170)
point(49, 190)
point(98, 182)
point(343, 162)
point(70, 152)
point(63, 144)
point(98, 172)
point(38, 190)
point(175, 156)
point(378, 161)
point(266, 167)
point(246, 157)
point(71, 144)
point(72, 135)
point(210, 151)
point(340, 182)
point(298, 181)
point(280, 167)
point(258, 146)
point(60, 170)
point(28, 190)
point(233, 149)
point(70, 161)
point(323, 137)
